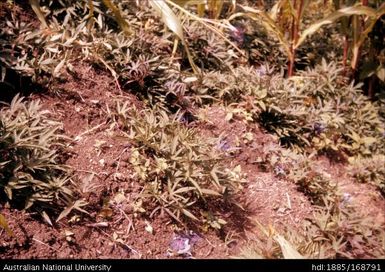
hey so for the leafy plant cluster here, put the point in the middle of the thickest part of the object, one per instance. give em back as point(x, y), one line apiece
point(315, 110)
point(181, 175)
point(336, 230)
point(142, 61)
point(31, 171)
point(262, 46)
point(210, 51)
point(331, 115)
point(72, 35)
point(369, 170)
point(316, 184)
point(37, 52)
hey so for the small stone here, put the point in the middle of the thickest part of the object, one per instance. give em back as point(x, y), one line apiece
point(102, 162)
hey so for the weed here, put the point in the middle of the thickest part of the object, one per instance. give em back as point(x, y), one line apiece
point(180, 173)
point(30, 143)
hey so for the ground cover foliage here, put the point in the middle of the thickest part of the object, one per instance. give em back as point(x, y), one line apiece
point(310, 73)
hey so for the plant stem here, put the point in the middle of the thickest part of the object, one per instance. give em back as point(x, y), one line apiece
point(359, 25)
point(370, 87)
point(346, 52)
point(294, 35)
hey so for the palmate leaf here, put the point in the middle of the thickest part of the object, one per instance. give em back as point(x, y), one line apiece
point(32, 139)
point(35, 4)
point(178, 176)
point(76, 205)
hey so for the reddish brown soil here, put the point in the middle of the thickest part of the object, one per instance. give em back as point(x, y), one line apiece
point(100, 160)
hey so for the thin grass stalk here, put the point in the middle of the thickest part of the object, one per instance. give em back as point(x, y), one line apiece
point(295, 35)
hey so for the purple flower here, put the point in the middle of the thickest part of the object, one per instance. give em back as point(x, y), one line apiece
point(261, 71)
point(238, 34)
point(346, 199)
point(318, 128)
point(182, 243)
point(279, 170)
point(223, 145)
